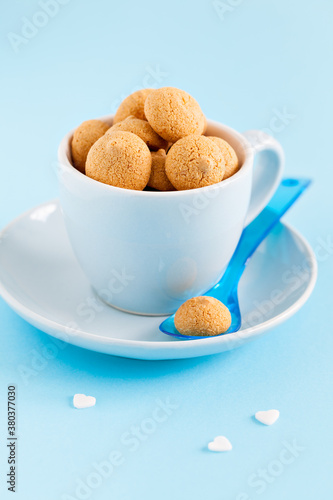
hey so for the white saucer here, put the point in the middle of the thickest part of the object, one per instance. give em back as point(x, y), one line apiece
point(41, 280)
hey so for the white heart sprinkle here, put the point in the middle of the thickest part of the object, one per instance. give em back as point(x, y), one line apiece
point(268, 417)
point(220, 443)
point(83, 401)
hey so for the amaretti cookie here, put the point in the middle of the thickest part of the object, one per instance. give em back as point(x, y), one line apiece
point(132, 105)
point(120, 159)
point(173, 113)
point(171, 124)
point(202, 316)
point(158, 178)
point(194, 162)
point(83, 138)
point(143, 130)
point(230, 157)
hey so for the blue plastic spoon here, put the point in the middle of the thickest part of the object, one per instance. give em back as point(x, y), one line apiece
point(226, 289)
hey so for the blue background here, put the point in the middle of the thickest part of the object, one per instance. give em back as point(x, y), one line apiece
point(242, 66)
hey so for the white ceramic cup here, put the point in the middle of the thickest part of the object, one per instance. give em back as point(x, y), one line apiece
point(147, 252)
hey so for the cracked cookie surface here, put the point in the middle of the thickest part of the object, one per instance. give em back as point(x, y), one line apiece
point(158, 178)
point(202, 316)
point(194, 162)
point(132, 105)
point(230, 157)
point(84, 137)
point(142, 129)
point(173, 113)
point(120, 159)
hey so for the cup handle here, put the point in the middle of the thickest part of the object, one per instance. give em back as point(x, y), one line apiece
point(267, 172)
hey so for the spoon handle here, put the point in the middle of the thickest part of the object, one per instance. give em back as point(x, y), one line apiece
point(286, 194)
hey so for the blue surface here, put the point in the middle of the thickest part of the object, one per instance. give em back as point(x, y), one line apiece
point(244, 68)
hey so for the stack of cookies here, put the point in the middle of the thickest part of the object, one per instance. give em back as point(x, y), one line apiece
point(156, 140)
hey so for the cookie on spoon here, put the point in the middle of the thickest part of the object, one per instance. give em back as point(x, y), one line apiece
point(202, 317)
